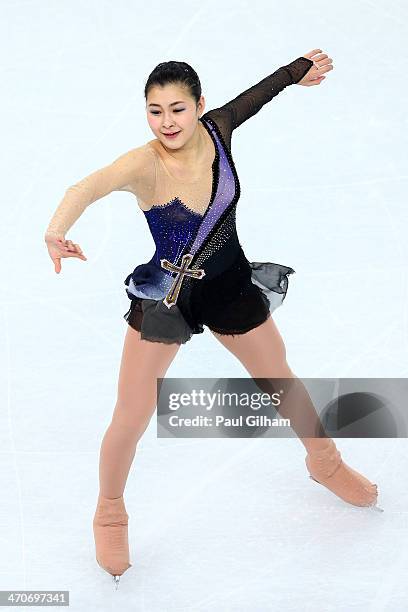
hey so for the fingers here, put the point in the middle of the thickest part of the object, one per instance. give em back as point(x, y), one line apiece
point(325, 61)
point(311, 53)
point(325, 66)
point(70, 245)
point(73, 249)
point(67, 245)
point(57, 260)
point(320, 66)
point(57, 264)
point(63, 248)
point(78, 251)
point(316, 81)
point(318, 58)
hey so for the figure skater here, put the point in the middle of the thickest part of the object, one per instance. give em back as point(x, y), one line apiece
point(187, 186)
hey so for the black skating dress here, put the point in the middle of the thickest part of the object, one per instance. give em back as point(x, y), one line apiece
point(199, 274)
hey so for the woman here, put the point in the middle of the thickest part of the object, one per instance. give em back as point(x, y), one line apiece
point(187, 186)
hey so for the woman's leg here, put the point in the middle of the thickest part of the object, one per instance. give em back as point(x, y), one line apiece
point(142, 363)
point(263, 354)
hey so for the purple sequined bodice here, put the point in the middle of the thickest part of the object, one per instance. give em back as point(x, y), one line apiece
point(172, 226)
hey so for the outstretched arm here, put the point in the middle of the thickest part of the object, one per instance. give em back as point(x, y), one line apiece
point(124, 174)
point(131, 171)
point(303, 70)
point(249, 102)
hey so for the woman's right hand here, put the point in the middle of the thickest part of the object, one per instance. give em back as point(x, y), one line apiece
point(58, 248)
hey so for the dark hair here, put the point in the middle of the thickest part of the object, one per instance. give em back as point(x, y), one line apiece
point(175, 72)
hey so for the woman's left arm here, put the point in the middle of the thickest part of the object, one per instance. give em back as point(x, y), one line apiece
point(306, 70)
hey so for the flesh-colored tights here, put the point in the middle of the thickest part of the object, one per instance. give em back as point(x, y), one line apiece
point(261, 351)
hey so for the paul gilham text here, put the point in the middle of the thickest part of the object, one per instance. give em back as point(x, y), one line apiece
point(251, 420)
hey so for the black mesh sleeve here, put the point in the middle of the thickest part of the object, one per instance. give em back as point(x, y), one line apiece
point(232, 114)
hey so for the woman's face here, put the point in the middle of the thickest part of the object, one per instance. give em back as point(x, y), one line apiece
point(172, 109)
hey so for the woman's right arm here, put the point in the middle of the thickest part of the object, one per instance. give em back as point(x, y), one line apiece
point(132, 171)
point(126, 173)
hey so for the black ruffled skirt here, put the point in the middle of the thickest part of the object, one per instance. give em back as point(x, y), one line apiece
point(234, 302)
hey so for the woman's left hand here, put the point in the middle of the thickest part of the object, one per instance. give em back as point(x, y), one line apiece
point(322, 63)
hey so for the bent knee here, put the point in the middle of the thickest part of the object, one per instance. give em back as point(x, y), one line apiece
point(136, 394)
point(133, 415)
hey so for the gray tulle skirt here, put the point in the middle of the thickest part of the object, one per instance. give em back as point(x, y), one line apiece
point(235, 302)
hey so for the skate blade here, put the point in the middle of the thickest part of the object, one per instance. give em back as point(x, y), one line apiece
point(115, 577)
point(375, 507)
point(116, 580)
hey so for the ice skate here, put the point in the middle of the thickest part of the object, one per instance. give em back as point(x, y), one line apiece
point(110, 526)
point(326, 467)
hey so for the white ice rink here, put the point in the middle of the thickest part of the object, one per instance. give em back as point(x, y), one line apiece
point(216, 525)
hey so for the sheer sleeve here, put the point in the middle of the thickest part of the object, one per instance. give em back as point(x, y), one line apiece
point(133, 171)
point(232, 114)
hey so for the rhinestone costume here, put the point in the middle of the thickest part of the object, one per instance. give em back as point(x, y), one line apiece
point(199, 274)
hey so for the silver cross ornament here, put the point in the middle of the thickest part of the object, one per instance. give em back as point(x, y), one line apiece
point(182, 271)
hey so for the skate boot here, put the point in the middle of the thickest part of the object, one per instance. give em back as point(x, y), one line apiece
point(326, 467)
point(110, 527)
